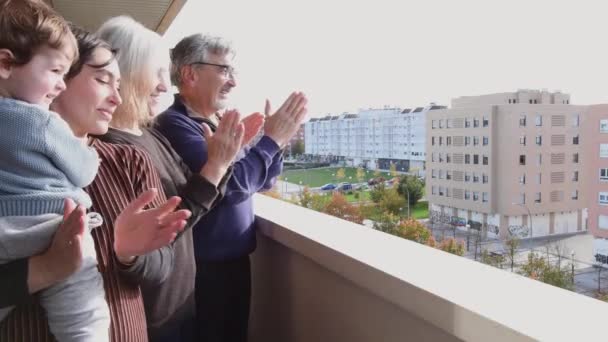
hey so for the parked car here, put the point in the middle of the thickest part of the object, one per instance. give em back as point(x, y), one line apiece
point(374, 181)
point(361, 186)
point(344, 186)
point(328, 186)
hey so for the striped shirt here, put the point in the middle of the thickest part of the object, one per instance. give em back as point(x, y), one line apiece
point(125, 172)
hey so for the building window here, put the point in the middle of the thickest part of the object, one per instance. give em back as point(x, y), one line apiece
point(522, 159)
point(486, 141)
point(522, 140)
point(448, 158)
point(575, 158)
point(575, 195)
point(440, 174)
point(475, 122)
point(538, 178)
point(539, 159)
point(484, 197)
point(539, 140)
point(475, 178)
point(539, 120)
point(448, 141)
point(602, 222)
point(475, 141)
point(603, 150)
point(522, 199)
point(575, 176)
point(440, 123)
point(476, 159)
point(522, 179)
point(575, 140)
point(433, 157)
point(447, 192)
point(433, 173)
point(485, 160)
point(440, 141)
point(448, 123)
point(603, 198)
point(432, 141)
point(484, 178)
point(467, 141)
point(604, 175)
point(486, 122)
point(467, 122)
point(575, 120)
point(604, 126)
point(537, 198)
point(467, 159)
point(440, 191)
point(433, 190)
point(467, 195)
point(467, 177)
point(522, 121)
point(448, 175)
point(475, 196)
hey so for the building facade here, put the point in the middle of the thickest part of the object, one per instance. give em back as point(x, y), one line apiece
point(595, 132)
point(372, 138)
point(509, 162)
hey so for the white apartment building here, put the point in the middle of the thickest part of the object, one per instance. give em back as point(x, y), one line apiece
point(373, 138)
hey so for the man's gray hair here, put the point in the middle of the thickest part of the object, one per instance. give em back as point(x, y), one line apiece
point(196, 48)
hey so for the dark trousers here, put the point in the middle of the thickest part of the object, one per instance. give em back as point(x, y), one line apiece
point(223, 293)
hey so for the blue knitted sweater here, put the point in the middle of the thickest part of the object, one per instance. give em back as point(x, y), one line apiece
point(41, 161)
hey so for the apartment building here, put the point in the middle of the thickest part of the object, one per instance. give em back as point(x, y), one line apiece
point(595, 132)
point(510, 161)
point(373, 138)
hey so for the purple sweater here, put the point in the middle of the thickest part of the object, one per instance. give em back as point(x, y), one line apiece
point(228, 231)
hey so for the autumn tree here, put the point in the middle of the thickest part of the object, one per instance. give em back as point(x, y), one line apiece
point(414, 230)
point(338, 206)
point(340, 174)
point(453, 246)
point(392, 202)
point(360, 175)
point(393, 170)
point(387, 223)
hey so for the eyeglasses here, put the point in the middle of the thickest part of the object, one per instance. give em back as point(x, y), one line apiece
point(226, 70)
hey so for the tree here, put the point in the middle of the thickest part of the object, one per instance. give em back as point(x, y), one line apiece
point(377, 173)
point(297, 148)
point(311, 200)
point(377, 192)
point(360, 175)
point(338, 206)
point(391, 202)
point(393, 169)
point(539, 268)
point(511, 245)
point(453, 246)
point(413, 185)
point(387, 223)
point(340, 174)
point(413, 230)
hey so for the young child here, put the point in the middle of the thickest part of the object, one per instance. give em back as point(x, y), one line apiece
point(42, 163)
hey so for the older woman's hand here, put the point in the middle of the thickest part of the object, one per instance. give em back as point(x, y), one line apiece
point(222, 146)
point(138, 231)
point(64, 255)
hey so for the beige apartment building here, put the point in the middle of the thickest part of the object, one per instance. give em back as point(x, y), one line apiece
point(510, 161)
point(595, 132)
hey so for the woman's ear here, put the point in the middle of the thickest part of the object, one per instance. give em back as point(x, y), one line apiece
point(6, 63)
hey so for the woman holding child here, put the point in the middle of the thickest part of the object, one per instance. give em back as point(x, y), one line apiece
point(129, 243)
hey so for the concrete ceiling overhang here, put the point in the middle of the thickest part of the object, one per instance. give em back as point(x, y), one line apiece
point(156, 15)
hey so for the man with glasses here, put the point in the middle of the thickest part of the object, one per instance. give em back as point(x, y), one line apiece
point(224, 238)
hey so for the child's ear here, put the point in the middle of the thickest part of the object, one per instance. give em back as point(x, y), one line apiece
point(6, 63)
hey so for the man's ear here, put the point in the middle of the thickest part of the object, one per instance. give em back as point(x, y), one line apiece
point(188, 74)
point(6, 63)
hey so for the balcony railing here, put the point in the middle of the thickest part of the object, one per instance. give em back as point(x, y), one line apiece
point(319, 278)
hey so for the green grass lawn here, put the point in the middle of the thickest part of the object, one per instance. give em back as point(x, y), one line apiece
point(318, 177)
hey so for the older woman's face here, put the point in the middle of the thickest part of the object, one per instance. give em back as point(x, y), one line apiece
point(91, 97)
point(161, 83)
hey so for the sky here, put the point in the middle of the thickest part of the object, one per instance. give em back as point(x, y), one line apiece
point(346, 55)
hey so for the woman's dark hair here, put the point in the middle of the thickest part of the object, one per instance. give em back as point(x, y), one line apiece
point(87, 44)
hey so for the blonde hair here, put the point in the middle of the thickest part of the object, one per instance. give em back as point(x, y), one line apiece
point(139, 54)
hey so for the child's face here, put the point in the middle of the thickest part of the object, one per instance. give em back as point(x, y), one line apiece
point(41, 80)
